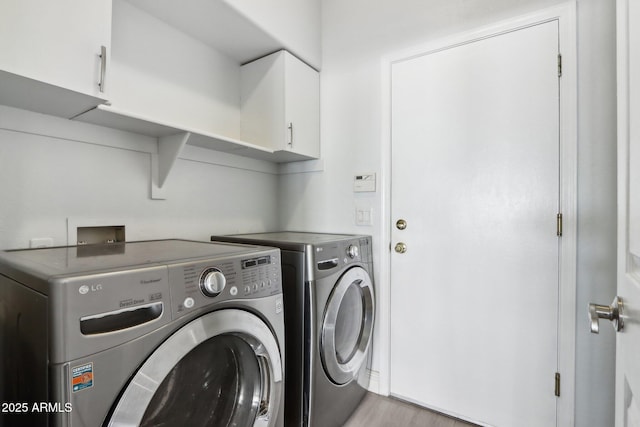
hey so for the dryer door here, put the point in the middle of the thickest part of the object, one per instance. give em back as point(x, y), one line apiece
point(221, 369)
point(347, 326)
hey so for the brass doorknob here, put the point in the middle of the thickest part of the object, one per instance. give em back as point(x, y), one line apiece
point(401, 224)
point(401, 247)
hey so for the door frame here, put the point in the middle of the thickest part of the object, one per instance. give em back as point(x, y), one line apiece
point(626, 133)
point(565, 14)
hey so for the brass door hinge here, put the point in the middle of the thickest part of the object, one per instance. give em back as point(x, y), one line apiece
point(559, 225)
point(559, 65)
point(557, 391)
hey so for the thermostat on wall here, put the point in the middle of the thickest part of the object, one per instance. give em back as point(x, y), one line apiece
point(364, 182)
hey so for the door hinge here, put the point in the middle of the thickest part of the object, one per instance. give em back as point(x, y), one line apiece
point(559, 225)
point(559, 65)
point(557, 392)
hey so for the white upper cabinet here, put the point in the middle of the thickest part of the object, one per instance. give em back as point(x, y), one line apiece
point(280, 106)
point(168, 69)
point(176, 70)
point(50, 54)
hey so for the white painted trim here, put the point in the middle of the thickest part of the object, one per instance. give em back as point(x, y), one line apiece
point(384, 287)
point(195, 153)
point(303, 166)
point(374, 381)
point(569, 207)
point(623, 181)
point(565, 14)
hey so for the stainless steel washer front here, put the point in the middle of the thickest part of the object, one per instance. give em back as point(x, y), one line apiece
point(168, 332)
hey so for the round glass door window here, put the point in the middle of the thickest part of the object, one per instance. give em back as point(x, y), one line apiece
point(215, 384)
point(349, 323)
point(347, 326)
point(222, 369)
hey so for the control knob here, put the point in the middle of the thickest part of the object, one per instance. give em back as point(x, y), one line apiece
point(212, 282)
point(352, 251)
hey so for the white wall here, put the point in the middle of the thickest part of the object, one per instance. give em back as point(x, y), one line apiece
point(356, 35)
point(53, 169)
point(597, 201)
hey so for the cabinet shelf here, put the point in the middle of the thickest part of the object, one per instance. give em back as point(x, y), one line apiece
point(173, 71)
point(106, 115)
point(173, 138)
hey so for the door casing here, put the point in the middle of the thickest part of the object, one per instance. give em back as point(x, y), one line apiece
point(627, 388)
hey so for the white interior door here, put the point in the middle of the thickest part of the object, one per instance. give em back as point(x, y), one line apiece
point(628, 341)
point(475, 175)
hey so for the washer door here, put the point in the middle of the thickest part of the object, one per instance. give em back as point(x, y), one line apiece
point(222, 369)
point(347, 326)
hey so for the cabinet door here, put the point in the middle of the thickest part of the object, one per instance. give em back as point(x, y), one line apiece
point(281, 106)
point(262, 120)
point(55, 42)
point(302, 107)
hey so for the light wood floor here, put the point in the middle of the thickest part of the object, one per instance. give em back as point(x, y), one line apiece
point(379, 411)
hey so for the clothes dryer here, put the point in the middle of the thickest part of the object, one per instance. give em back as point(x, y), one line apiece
point(329, 316)
point(151, 333)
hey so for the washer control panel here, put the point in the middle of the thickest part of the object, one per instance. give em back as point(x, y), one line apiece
point(331, 257)
point(212, 282)
point(197, 284)
point(353, 251)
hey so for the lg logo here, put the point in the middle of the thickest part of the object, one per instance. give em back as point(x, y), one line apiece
point(85, 289)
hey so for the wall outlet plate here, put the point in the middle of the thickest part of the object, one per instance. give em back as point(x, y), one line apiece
point(41, 242)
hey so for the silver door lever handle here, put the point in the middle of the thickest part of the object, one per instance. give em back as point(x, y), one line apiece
point(611, 312)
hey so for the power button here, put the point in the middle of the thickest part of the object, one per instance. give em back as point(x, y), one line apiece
point(189, 302)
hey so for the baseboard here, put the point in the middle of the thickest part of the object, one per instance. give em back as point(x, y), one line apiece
point(374, 381)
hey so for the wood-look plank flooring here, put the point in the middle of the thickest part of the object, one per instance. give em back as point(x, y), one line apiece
point(380, 411)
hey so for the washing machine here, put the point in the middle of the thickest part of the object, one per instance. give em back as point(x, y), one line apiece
point(153, 333)
point(329, 315)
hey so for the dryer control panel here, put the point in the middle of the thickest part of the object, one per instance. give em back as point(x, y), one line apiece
point(336, 255)
point(199, 284)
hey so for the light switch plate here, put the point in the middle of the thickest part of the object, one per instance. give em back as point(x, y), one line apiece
point(364, 216)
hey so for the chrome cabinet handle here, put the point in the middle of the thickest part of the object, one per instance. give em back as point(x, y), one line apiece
point(290, 128)
point(103, 68)
point(401, 224)
point(612, 312)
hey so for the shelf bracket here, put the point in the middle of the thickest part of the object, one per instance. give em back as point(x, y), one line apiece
point(169, 148)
